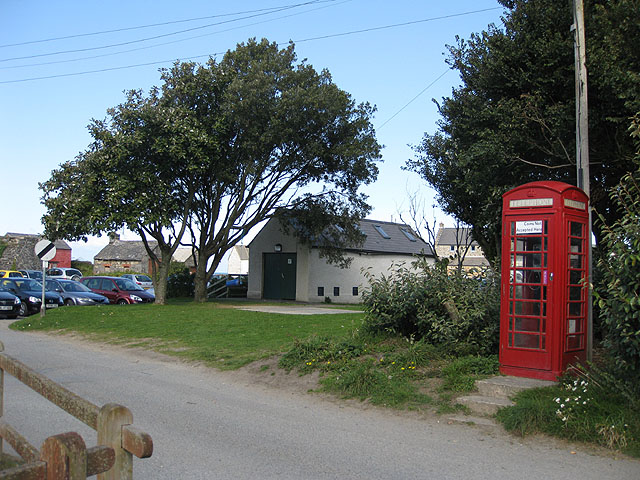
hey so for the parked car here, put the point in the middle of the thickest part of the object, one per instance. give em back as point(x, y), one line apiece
point(35, 274)
point(9, 304)
point(66, 273)
point(11, 274)
point(30, 293)
point(75, 293)
point(118, 290)
point(141, 280)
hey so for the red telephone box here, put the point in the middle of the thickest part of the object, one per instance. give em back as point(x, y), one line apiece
point(543, 310)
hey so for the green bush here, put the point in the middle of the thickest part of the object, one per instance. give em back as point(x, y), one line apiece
point(617, 293)
point(427, 302)
point(180, 284)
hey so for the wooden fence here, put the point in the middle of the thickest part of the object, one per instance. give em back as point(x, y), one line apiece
point(66, 456)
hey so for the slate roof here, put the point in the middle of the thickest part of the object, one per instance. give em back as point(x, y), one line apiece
point(401, 239)
point(447, 236)
point(124, 250)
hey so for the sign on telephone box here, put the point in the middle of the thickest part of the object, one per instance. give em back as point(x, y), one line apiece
point(543, 303)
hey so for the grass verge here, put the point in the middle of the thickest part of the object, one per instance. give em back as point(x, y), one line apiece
point(212, 333)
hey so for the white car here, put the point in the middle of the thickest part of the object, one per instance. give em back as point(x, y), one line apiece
point(139, 279)
point(64, 273)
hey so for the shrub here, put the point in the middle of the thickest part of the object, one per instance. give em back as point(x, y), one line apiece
point(617, 294)
point(180, 284)
point(427, 302)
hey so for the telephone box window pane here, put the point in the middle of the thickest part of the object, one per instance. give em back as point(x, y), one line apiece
point(544, 343)
point(528, 292)
point(527, 308)
point(523, 340)
point(544, 296)
point(575, 277)
point(511, 339)
point(574, 325)
point(575, 245)
point(574, 342)
point(575, 261)
point(525, 324)
point(575, 293)
point(546, 227)
point(575, 309)
point(576, 229)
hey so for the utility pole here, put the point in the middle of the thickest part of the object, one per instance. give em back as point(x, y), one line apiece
point(582, 144)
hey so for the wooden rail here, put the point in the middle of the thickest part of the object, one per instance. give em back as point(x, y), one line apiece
point(66, 456)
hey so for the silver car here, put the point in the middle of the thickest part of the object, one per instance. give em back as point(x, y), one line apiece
point(139, 279)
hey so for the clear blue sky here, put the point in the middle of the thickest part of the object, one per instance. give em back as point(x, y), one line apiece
point(51, 87)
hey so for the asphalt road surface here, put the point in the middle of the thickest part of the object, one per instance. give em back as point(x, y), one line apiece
point(209, 424)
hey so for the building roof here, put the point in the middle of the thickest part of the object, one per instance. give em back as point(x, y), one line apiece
point(389, 237)
point(124, 250)
point(59, 244)
point(454, 236)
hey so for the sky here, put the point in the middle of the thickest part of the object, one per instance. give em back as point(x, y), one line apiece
point(64, 63)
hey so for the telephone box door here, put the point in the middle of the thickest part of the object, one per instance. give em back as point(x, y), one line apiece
point(526, 338)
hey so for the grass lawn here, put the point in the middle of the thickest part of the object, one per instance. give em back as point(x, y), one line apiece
point(214, 333)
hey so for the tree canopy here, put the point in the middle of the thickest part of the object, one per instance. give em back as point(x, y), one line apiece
point(513, 118)
point(217, 149)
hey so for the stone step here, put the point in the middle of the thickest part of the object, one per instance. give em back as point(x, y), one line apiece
point(484, 405)
point(506, 387)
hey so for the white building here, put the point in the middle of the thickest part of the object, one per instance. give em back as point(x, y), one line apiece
point(282, 268)
point(238, 260)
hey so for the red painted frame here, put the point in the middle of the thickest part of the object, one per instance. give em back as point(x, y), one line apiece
point(543, 319)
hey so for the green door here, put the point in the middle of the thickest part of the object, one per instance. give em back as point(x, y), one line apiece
point(279, 279)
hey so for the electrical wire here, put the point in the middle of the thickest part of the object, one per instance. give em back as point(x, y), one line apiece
point(151, 25)
point(323, 37)
point(413, 99)
point(56, 62)
point(164, 35)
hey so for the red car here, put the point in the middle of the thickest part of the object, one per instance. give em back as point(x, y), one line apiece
point(119, 290)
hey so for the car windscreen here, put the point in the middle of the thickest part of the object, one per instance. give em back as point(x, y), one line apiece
point(127, 285)
point(74, 287)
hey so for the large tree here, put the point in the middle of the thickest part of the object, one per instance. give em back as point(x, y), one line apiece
point(231, 144)
point(513, 118)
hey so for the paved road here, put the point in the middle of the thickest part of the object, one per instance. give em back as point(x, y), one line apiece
point(206, 424)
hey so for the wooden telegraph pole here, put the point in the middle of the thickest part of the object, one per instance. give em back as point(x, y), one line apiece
point(582, 142)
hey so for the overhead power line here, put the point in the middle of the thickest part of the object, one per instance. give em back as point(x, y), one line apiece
point(323, 37)
point(414, 99)
point(164, 35)
point(162, 24)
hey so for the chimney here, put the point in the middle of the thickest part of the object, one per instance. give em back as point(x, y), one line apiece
point(113, 237)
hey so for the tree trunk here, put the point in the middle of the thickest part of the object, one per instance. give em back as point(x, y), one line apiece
point(200, 280)
point(160, 275)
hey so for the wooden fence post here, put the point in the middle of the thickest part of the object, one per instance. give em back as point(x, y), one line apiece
point(111, 418)
point(66, 457)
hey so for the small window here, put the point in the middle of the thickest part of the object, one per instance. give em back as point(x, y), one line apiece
point(336, 291)
point(452, 248)
point(408, 234)
point(355, 291)
point(381, 231)
point(473, 248)
point(321, 291)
